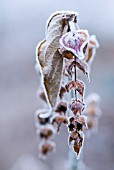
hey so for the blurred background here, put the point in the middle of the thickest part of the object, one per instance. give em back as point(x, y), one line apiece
point(22, 26)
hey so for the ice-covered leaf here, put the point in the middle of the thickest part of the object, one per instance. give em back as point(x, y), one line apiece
point(48, 55)
point(75, 42)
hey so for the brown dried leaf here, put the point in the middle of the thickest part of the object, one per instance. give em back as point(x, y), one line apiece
point(50, 60)
point(78, 139)
point(52, 80)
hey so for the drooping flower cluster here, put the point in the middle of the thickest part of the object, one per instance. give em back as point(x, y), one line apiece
point(93, 113)
point(65, 52)
point(45, 131)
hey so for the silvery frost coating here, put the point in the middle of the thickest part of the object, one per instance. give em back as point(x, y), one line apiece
point(65, 51)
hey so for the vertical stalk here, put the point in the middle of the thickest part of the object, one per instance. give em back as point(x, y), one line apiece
point(72, 156)
point(75, 77)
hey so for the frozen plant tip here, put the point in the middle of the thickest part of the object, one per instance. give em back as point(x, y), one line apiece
point(65, 51)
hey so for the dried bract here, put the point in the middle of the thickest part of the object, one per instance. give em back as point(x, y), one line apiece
point(76, 106)
point(46, 148)
point(61, 107)
point(59, 120)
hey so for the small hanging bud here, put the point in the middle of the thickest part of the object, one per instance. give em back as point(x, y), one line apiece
point(59, 120)
point(46, 131)
point(82, 119)
point(42, 96)
point(46, 148)
point(61, 107)
point(42, 117)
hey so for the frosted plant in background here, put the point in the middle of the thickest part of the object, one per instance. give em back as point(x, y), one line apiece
point(62, 55)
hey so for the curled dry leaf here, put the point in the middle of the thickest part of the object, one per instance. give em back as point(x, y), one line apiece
point(83, 66)
point(78, 85)
point(46, 148)
point(77, 106)
point(61, 107)
point(48, 56)
point(75, 42)
point(59, 120)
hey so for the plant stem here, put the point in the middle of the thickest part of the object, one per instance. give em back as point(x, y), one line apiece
point(73, 160)
point(72, 156)
point(75, 77)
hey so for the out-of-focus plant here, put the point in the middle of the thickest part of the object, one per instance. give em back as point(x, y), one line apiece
point(65, 52)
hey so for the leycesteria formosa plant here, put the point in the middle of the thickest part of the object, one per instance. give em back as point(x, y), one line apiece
point(65, 52)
